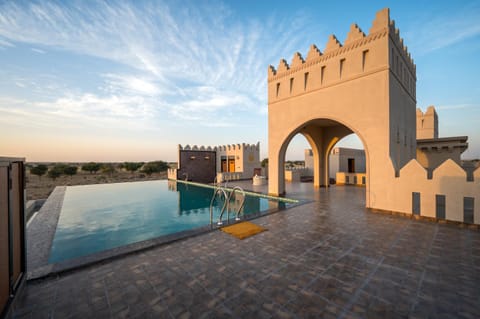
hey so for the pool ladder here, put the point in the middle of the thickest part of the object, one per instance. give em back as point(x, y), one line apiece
point(222, 192)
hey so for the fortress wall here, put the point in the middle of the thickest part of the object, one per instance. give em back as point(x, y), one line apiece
point(449, 180)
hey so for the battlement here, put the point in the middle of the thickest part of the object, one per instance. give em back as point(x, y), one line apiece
point(359, 55)
point(427, 123)
point(196, 148)
point(356, 38)
point(243, 146)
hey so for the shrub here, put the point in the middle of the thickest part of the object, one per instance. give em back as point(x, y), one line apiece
point(55, 172)
point(70, 170)
point(155, 167)
point(39, 170)
point(132, 166)
point(91, 167)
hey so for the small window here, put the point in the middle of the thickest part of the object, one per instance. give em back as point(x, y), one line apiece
point(364, 59)
point(322, 74)
point(468, 210)
point(291, 85)
point(440, 206)
point(305, 81)
point(363, 180)
point(342, 64)
point(415, 203)
point(347, 179)
point(278, 88)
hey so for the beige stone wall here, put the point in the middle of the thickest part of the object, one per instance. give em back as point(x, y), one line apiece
point(448, 179)
point(247, 157)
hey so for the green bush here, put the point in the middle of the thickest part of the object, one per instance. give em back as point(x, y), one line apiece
point(132, 166)
point(155, 167)
point(55, 172)
point(39, 170)
point(91, 167)
point(70, 170)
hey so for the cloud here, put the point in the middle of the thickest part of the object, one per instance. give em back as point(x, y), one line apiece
point(174, 51)
point(118, 83)
point(38, 51)
point(437, 30)
point(84, 111)
point(5, 43)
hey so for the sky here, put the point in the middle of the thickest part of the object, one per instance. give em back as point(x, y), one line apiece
point(129, 81)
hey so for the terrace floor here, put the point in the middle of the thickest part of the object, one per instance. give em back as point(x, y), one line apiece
point(330, 258)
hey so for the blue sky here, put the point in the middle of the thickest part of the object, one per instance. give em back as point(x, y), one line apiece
point(128, 81)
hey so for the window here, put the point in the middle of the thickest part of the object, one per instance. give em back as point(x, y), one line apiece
point(305, 81)
point(415, 203)
point(440, 206)
point(468, 210)
point(364, 59)
point(291, 85)
point(278, 88)
point(322, 74)
point(342, 64)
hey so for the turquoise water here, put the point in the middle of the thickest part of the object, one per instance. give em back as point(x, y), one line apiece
point(95, 218)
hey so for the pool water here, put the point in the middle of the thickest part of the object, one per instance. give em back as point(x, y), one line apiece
point(99, 217)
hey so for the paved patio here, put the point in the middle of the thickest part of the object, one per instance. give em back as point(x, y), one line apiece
point(330, 258)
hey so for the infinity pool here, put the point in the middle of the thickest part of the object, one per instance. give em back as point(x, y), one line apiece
point(95, 218)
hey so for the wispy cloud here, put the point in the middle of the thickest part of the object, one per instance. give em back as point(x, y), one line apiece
point(38, 51)
point(5, 43)
point(437, 30)
point(176, 53)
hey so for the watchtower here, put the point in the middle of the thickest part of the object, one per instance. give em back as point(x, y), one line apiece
point(364, 86)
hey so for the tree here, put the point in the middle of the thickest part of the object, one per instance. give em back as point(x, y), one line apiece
point(70, 170)
point(132, 167)
point(55, 172)
point(155, 167)
point(39, 170)
point(91, 167)
point(265, 162)
point(108, 168)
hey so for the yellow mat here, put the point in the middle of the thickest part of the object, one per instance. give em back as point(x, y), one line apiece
point(243, 230)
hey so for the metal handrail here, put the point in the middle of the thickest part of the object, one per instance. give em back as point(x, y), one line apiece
point(237, 214)
point(222, 192)
point(237, 188)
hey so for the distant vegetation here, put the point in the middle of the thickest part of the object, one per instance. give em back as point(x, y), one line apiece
point(91, 167)
point(155, 167)
point(39, 170)
point(265, 162)
point(132, 166)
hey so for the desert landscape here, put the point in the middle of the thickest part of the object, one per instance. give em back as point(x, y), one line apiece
point(40, 186)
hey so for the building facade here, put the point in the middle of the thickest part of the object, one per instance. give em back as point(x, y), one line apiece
point(205, 164)
point(366, 86)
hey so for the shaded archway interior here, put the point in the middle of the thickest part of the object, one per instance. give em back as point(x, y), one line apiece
point(322, 135)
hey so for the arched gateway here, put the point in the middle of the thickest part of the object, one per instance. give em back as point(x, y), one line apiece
point(365, 86)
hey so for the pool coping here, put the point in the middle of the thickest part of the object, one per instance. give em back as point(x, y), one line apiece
point(40, 239)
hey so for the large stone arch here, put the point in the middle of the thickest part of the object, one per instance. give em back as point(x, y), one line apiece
point(366, 86)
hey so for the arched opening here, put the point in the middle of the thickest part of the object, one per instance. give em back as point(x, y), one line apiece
point(322, 135)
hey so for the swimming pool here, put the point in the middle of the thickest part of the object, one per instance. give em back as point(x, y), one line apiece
point(96, 218)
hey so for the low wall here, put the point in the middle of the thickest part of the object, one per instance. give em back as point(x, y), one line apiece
point(172, 174)
point(447, 195)
point(358, 179)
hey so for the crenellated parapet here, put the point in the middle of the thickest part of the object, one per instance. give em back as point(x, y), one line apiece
point(196, 148)
point(243, 146)
point(360, 54)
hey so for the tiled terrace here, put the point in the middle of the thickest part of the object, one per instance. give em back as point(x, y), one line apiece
point(330, 258)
